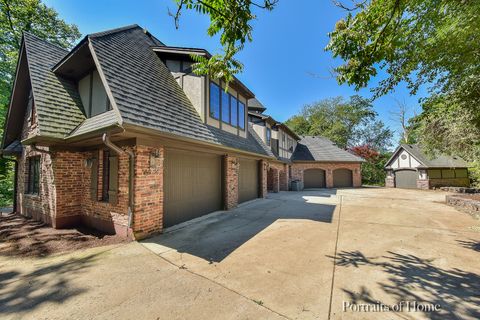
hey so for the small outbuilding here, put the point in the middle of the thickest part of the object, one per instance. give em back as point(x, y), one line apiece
point(409, 167)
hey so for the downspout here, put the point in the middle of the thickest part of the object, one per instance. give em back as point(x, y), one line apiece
point(106, 140)
point(15, 181)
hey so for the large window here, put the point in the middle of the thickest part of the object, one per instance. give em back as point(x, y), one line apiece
point(269, 136)
point(33, 175)
point(241, 115)
point(231, 110)
point(214, 101)
point(225, 107)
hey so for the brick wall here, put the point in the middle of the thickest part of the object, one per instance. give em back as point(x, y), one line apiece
point(263, 178)
point(298, 168)
point(423, 184)
point(148, 191)
point(390, 182)
point(231, 169)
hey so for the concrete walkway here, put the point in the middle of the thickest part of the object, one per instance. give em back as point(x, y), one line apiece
point(322, 254)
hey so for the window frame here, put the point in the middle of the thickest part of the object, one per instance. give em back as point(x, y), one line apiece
point(232, 107)
point(33, 175)
point(242, 119)
point(229, 98)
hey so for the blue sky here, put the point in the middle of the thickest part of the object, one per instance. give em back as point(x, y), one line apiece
point(285, 65)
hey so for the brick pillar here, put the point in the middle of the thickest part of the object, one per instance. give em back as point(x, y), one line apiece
point(148, 191)
point(329, 178)
point(263, 178)
point(423, 184)
point(275, 180)
point(357, 176)
point(231, 182)
point(283, 178)
point(390, 182)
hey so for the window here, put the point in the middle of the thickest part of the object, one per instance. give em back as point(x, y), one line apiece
point(233, 111)
point(241, 115)
point(269, 136)
point(33, 175)
point(225, 107)
point(106, 175)
point(214, 101)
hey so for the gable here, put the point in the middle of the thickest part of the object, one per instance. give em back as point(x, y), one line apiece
point(403, 159)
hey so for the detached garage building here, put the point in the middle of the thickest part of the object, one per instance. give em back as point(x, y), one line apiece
point(410, 168)
point(319, 163)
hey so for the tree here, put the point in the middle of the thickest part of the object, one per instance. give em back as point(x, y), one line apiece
point(17, 16)
point(232, 20)
point(346, 123)
point(373, 172)
point(420, 42)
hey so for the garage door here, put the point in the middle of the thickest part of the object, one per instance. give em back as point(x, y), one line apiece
point(247, 180)
point(406, 179)
point(342, 178)
point(314, 178)
point(192, 185)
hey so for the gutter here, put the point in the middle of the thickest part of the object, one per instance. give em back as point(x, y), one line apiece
point(106, 140)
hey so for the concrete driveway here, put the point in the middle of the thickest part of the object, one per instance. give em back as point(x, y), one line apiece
point(326, 254)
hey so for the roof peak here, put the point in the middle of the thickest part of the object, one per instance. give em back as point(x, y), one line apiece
point(43, 40)
point(112, 31)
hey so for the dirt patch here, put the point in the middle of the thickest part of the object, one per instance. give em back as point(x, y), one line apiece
point(20, 236)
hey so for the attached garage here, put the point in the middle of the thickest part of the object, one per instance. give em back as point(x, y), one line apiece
point(314, 178)
point(342, 178)
point(406, 179)
point(247, 180)
point(192, 185)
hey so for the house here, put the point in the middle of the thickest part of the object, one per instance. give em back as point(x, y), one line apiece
point(410, 167)
point(120, 135)
point(316, 161)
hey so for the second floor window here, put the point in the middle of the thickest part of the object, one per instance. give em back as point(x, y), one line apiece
point(226, 107)
point(214, 101)
point(269, 136)
point(33, 175)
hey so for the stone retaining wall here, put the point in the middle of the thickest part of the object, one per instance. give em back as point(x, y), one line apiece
point(470, 206)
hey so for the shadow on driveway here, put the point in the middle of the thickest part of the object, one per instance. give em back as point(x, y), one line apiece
point(411, 278)
point(214, 237)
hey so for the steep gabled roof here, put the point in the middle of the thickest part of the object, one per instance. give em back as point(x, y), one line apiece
point(315, 148)
point(440, 161)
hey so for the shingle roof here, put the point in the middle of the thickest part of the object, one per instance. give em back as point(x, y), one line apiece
point(13, 148)
point(101, 121)
point(255, 105)
point(57, 102)
point(315, 148)
point(440, 161)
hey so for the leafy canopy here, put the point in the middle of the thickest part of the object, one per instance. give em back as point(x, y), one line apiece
point(347, 123)
point(17, 16)
point(231, 19)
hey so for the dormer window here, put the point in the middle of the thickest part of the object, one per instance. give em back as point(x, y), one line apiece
point(214, 101)
point(94, 97)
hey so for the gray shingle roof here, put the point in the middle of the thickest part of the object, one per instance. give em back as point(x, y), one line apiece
point(57, 102)
point(255, 105)
point(440, 161)
point(315, 148)
point(13, 148)
point(101, 121)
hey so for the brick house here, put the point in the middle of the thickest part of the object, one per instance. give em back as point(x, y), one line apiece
point(410, 167)
point(120, 135)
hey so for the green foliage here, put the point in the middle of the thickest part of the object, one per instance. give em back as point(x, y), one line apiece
point(17, 16)
point(231, 19)
point(373, 172)
point(420, 42)
point(347, 123)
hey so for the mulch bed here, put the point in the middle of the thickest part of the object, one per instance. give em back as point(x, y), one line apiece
point(24, 237)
